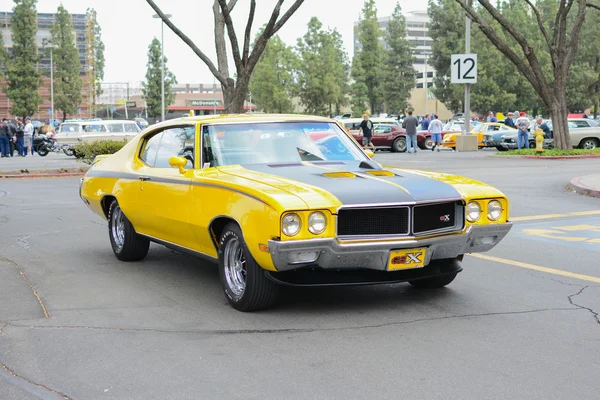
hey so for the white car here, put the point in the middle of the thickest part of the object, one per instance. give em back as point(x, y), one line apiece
point(72, 133)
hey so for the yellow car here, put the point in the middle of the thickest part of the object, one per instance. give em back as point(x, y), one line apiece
point(281, 200)
point(480, 130)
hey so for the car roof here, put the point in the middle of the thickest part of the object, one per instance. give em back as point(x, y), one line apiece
point(243, 118)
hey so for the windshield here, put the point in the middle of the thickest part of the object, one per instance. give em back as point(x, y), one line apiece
point(283, 142)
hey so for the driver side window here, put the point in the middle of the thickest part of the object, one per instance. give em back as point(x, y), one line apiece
point(162, 145)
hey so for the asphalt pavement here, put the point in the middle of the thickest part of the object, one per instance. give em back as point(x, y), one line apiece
point(520, 322)
point(52, 161)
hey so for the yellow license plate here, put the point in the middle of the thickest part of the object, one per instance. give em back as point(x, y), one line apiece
point(407, 259)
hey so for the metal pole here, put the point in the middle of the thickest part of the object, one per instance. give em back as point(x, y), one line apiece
point(468, 85)
point(51, 88)
point(214, 96)
point(162, 75)
point(426, 86)
point(250, 105)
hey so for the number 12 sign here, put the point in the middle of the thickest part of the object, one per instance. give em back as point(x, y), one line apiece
point(464, 68)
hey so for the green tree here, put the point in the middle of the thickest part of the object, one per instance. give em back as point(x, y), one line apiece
point(371, 54)
point(22, 76)
point(151, 87)
point(95, 60)
point(67, 79)
point(399, 73)
point(358, 88)
point(323, 70)
point(273, 83)
point(3, 56)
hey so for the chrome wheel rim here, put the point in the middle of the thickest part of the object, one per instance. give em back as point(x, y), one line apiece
point(589, 145)
point(235, 267)
point(400, 146)
point(118, 228)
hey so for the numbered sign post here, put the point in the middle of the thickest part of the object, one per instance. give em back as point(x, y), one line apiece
point(463, 68)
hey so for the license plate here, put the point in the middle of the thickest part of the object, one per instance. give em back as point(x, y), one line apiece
point(406, 259)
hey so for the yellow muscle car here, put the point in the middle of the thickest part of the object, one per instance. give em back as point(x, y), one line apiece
point(288, 200)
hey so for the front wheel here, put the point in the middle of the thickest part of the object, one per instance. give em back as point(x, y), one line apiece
point(500, 148)
point(434, 282)
point(245, 283)
point(589, 144)
point(399, 145)
point(68, 151)
point(126, 243)
point(43, 150)
point(429, 144)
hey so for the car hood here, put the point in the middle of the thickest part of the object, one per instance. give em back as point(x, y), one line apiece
point(333, 184)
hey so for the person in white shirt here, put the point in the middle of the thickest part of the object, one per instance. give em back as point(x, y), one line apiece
point(435, 128)
point(28, 136)
point(522, 124)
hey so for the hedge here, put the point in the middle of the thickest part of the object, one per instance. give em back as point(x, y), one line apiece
point(86, 152)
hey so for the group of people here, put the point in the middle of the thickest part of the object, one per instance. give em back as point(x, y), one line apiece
point(410, 124)
point(16, 136)
point(522, 124)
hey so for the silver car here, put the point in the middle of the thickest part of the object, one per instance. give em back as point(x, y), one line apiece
point(585, 134)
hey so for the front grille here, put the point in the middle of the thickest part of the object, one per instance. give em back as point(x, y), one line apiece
point(373, 221)
point(508, 140)
point(436, 217)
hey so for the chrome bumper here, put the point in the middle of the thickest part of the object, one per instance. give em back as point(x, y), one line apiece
point(332, 254)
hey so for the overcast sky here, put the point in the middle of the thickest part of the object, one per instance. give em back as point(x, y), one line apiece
point(128, 29)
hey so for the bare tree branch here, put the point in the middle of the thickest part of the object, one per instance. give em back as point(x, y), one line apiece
point(248, 32)
point(189, 42)
point(287, 15)
point(592, 5)
point(573, 45)
point(557, 22)
point(220, 44)
point(540, 23)
point(235, 48)
point(490, 33)
point(261, 41)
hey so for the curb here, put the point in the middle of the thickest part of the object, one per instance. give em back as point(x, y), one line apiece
point(27, 176)
point(576, 186)
point(562, 157)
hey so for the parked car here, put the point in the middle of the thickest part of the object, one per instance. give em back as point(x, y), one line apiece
point(72, 133)
point(388, 134)
point(585, 134)
point(272, 207)
point(493, 133)
point(449, 139)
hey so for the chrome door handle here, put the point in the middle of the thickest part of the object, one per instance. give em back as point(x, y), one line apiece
point(144, 178)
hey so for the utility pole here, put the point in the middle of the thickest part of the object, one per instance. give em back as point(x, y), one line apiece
point(51, 87)
point(468, 85)
point(162, 62)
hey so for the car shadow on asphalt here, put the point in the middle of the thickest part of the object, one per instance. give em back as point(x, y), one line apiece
point(171, 266)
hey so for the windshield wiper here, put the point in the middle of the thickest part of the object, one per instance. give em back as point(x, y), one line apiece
point(307, 155)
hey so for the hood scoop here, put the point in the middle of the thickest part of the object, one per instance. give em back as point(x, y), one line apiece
point(380, 172)
point(340, 174)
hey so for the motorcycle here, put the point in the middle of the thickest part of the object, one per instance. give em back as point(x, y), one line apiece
point(50, 144)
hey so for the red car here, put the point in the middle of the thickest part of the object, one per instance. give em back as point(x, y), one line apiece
point(391, 137)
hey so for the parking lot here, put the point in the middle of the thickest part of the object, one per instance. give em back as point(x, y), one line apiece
point(519, 322)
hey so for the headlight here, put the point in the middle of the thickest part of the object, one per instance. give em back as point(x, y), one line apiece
point(317, 222)
point(494, 210)
point(290, 225)
point(473, 211)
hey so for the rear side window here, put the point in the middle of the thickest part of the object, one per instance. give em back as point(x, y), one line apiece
point(129, 128)
point(115, 128)
point(70, 128)
point(163, 145)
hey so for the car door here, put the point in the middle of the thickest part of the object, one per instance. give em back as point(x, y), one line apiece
point(381, 133)
point(578, 129)
point(165, 193)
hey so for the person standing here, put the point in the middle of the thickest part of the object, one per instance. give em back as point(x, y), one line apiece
point(12, 137)
point(425, 123)
point(366, 127)
point(435, 128)
point(540, 124)
point(19, 138)
point(4, 139)
point(410, 124)
point(28, 137)
point(523, 136)
point(509, 121)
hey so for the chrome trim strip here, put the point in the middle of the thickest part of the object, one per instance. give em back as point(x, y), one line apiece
point(179, 248)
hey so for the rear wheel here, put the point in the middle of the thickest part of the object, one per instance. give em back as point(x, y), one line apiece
point(589, 144)
point(245, 283)
point(42, 150)
point(126, 243)
point(434, 282)
point(68, 151)
point(532, 145)
point(429, 144)
point(399, 145)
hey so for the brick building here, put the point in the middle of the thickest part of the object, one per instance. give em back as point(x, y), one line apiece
point(44, 23)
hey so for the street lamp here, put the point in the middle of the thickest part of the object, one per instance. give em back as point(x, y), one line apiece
point(426, 53)
point(162, 61)
point(51, 88)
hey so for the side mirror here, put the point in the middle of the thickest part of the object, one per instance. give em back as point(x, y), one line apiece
point(370, 153)
point(178, 162)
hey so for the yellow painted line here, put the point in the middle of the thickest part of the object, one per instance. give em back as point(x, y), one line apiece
point(550, 216)
point(538, 268)
point(534, 217)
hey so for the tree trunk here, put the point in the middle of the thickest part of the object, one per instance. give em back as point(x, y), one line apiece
point(559, 113)
point(596, 88)
point(235, 95)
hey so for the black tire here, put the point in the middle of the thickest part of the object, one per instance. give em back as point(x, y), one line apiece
point(258, 292)
point(68, 151)
point(399, 145)
point(428, 144)
point(589, 144)
point(500, 148)
point(532, 145)
point(134, 247)
point(434, 282)
point(43, 150)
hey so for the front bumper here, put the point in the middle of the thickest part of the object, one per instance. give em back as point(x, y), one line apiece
point(509, 146)
point(332, 254)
